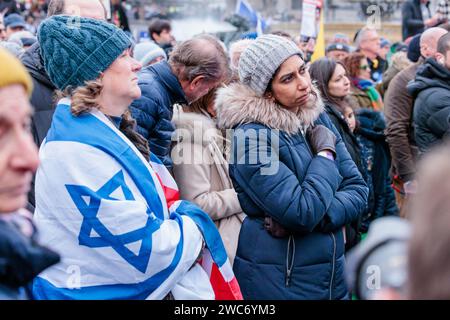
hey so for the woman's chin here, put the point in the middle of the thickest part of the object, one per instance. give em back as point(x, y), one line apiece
point(136, 93)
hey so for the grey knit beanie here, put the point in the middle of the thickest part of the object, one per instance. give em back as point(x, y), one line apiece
point(76, 50)
point(262, 58)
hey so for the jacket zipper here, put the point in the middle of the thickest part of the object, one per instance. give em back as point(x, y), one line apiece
point(333, 265)
point(290, 266)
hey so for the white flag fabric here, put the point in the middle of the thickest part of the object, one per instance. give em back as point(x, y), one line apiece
point(100, 205)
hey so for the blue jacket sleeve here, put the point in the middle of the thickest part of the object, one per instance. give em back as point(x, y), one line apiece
point(297, 205)
point(350, 200)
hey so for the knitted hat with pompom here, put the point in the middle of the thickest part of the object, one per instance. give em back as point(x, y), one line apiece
point(76, 50)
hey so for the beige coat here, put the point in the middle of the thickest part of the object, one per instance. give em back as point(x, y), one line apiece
point(201, 172)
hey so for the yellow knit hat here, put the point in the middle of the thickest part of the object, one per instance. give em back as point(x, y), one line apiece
point(13, 72)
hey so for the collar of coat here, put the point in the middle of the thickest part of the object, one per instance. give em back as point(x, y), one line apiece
point(201, 128)
point(238, 104)
point(170, 81)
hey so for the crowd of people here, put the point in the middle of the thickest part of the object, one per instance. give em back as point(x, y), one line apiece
point(293, 176)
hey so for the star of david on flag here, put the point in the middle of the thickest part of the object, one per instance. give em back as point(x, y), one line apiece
point(88, 203)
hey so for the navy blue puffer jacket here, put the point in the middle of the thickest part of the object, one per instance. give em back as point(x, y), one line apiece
point(154, 109)
point(310, 195)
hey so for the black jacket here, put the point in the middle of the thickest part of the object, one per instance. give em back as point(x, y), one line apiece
point(9, 6)
point(21, 258)
point(431, 90)
point(338, 120)
point(412, 19)
point(376, 162)
point(42, 100)
point(352, 230)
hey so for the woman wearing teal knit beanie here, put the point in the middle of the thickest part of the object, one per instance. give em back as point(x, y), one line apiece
point(99, 201)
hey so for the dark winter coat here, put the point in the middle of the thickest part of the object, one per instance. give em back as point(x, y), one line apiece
point(154, 109)
point(376, 161)
point(412, 20)
point(21, 256)
point(312, 196)
point(352, 233)
point(338, 119)
point(431, 90)
point(9, 6)
point(119, 17)
point(377, 68)
point(42, 99)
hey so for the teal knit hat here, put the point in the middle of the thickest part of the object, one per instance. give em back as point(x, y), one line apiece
point(76, 49)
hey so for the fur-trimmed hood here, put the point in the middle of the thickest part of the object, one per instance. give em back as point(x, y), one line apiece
point(238, 104)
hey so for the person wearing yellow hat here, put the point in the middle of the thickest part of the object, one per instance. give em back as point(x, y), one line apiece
point(18, 161)
point(13, 72)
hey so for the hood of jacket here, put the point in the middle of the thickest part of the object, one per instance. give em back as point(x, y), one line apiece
point(198, 128)
point(32, 60)
point(430, 75)
point(170, 81)
point(238, 104)
point(400, 61)
point(371, 124)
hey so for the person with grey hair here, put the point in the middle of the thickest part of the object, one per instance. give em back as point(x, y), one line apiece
point(235, 51)
point(293, 176)
point(367, 41)
point(195, 67)
point(44, 90)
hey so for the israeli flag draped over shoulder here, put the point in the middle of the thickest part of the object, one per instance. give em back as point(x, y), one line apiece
point(117, 221)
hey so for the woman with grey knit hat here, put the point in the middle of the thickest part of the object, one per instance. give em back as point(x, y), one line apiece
point(102, 199)
point(293, 175)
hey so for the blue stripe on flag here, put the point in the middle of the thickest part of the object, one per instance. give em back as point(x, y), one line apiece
point(87, 129)
point(208, 228)
point(44, 290)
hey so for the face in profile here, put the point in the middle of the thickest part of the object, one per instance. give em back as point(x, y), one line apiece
point(120, 80)
point(364, 69)
point(18, 153)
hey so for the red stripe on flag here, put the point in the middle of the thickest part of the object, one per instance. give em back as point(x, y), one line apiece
point(224, 290)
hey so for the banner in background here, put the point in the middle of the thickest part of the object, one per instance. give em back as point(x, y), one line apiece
point(107, 5)
point(313, 27)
